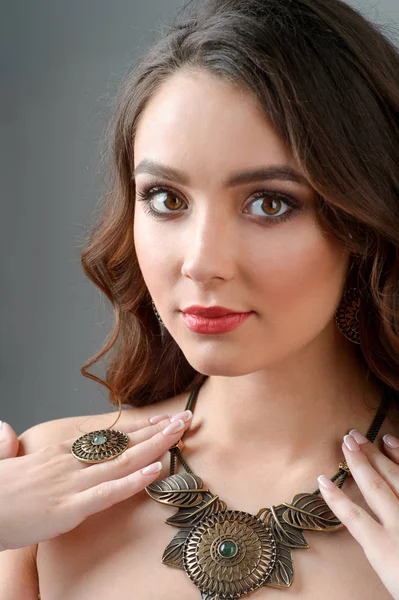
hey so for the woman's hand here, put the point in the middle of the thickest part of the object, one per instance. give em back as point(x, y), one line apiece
point(377, 477)
point(9, 442)
point(49, 492)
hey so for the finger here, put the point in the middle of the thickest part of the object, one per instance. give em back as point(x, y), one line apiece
point(9, 442)
point(391, 447)
point(358, 522)
point(133, 458)
point(376, 491)
point(388, 469)
point(131, 428)
point(108, 493)
point(145, 428)
point(148, 432)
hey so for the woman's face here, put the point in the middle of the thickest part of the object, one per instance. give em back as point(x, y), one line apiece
point(251, 245)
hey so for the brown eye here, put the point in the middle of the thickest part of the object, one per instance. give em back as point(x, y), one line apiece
point(168, 200)
point(271, 206)
point(267, 205)
point(173, 202)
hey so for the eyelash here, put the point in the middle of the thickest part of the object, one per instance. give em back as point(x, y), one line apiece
point(145, 195)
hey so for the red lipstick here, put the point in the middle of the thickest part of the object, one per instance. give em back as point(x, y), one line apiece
point(213, 319)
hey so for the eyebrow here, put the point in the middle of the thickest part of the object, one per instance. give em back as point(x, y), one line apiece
point(281, 172)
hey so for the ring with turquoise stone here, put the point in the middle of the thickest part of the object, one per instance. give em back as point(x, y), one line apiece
point(100, 445)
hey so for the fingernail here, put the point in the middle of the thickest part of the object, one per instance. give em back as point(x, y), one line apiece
point(173, 427)
point(185, 416)
point(158, 419)
point(153, 468)
point(391, 441)
point(351, 443)
point(359, 437)
point(325, 482)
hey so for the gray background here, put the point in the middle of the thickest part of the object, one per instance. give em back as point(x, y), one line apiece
point(61, 62)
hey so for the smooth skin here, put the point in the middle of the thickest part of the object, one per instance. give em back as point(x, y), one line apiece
point(377, 477)
point(49, 492)
point(282, 389)
point(226, 244)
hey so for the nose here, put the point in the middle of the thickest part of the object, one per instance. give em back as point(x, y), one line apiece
point(209, 247)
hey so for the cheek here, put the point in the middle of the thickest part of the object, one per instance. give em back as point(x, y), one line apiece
point(153, 252)
point(303, 275)
point(292, 271)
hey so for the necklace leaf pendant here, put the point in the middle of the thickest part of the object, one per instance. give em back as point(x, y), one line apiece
point(227, 553)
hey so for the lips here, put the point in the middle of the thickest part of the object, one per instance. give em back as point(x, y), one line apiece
point(210, 312)
point(214, 325)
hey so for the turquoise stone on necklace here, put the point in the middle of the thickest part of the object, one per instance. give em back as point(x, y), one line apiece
point(228, 549)
point(99, 439)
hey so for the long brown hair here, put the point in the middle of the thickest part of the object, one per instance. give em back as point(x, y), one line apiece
point(329, 81)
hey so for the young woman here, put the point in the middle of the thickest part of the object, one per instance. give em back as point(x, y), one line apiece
point(255, 204)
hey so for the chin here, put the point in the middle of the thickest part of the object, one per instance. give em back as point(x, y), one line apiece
point(221, 366)
point(222, 371)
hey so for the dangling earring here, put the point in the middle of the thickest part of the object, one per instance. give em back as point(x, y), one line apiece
point(347, 315)
point(158, 316)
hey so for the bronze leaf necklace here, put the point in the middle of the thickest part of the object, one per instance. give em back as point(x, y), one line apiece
point(228, 554)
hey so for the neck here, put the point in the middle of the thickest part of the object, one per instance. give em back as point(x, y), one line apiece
point(293, 409)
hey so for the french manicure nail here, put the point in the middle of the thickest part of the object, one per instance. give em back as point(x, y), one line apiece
point(359, 437)
point(173, 427)
point(154, 468)
point(391, 441)
point(351, 443)
point(325, 482)
point(158, 419)
point(185, 416)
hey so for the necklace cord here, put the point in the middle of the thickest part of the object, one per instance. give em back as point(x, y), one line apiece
point(343, 471)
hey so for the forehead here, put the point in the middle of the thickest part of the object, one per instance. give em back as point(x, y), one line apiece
point(199, 122)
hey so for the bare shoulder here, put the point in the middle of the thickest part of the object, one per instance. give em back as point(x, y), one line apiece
point(60, 430)
point(18, 568)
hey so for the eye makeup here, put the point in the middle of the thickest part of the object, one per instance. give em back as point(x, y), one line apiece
point(148, 192)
